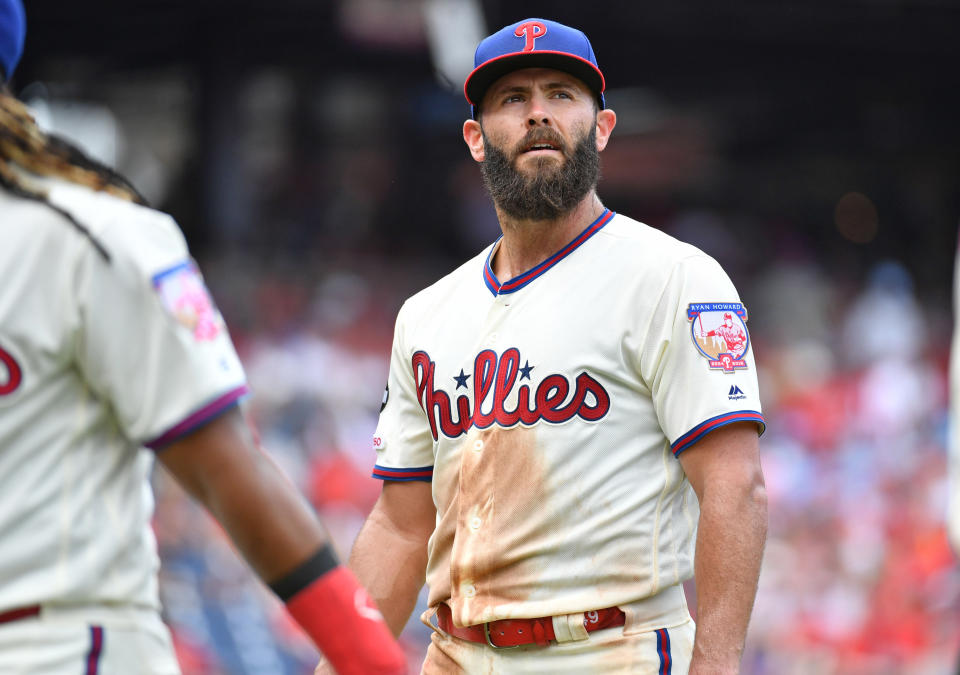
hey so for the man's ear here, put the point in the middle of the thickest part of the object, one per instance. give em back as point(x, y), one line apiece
point(473, 137)
point(606, 121)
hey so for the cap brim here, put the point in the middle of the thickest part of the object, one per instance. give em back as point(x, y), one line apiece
point(490, 71)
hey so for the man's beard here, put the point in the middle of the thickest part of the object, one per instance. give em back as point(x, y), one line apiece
point(553, 190)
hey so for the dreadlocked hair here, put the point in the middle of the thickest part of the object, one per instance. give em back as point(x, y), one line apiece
point(24, 145)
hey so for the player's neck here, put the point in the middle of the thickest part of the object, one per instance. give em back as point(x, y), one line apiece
point(527, 243)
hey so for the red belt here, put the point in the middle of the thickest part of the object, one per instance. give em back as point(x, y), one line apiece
point(515, 632)
point(19, 613)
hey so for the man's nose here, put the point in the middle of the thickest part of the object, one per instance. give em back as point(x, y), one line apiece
point(538, 114)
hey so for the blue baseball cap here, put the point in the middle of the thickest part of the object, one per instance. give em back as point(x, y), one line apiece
point(533, 43)
point(13, 30)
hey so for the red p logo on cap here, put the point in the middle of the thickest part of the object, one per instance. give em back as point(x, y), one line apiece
point(531, 30)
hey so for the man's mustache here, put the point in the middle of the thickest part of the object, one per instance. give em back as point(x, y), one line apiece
point(538, 136)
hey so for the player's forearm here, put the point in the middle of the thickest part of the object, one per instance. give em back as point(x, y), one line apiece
point(730, 541)
point(323, 596)
point(281, 538)
point(391, 564)
point(268, 520)
point(266, 517)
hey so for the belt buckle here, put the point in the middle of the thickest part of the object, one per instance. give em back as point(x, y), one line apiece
point(486, 634)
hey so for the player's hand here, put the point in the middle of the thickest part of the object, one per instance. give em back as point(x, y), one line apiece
point(324, 668)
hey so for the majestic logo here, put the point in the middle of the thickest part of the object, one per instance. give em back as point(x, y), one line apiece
point(719, 331)
point(185, 296)
point(736, 393)
point(14, 374)
point(494, 379)
point(530, 30)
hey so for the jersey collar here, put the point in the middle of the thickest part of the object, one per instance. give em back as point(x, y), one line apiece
point(525, 278)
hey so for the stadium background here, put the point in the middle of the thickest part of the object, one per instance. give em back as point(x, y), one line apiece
point(311, 152)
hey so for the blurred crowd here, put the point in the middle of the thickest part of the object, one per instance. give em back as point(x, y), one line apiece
point(858, 576)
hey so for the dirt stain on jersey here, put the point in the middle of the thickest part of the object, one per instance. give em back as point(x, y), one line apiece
point(446, 497)
point(499, 532)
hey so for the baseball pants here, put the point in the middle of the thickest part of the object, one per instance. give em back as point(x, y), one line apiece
point(87, 641)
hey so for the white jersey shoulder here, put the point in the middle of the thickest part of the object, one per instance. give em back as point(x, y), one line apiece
point(635, 244)
point(146, 237)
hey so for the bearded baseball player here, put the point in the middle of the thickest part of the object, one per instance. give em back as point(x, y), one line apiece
point(109, 345)
point(560, 446)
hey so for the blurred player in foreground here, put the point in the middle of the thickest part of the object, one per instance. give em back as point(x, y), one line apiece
point(554, 432)
point(953, 513)
point(953, 516)
point(110, 342)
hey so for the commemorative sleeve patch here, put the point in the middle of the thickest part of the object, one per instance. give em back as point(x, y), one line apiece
point(719, 331)
point(184, 295)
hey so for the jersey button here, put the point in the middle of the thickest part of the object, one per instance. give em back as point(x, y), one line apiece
point(493, 337)
point(477, 445)
point(475, 523)
point(469, 590)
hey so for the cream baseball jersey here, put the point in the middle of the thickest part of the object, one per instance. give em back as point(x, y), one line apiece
point(108, 342)
point(548, 410)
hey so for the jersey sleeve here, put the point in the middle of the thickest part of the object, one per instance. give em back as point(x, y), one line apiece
point(698, 357)
point(150, 339)
point(402, 440)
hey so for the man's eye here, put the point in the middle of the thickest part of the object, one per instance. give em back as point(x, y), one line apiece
point(513, 98)
point(562, 94)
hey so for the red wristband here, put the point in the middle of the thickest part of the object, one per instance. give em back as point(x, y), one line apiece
point(343, 621)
